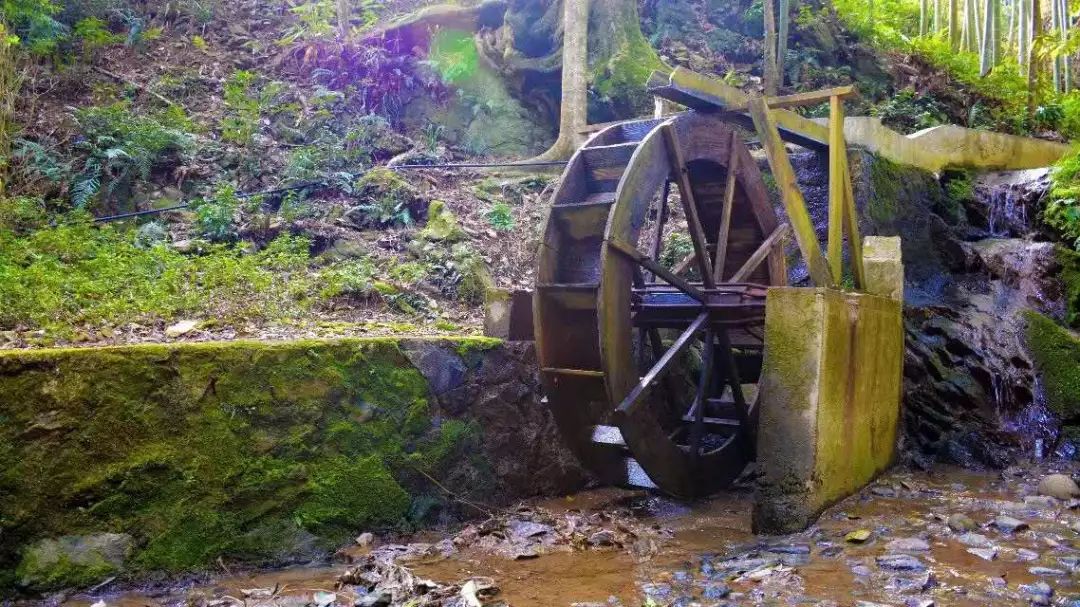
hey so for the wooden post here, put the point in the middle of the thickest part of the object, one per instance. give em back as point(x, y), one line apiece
point(690, 208)
point(837, 149)
point(792, 197)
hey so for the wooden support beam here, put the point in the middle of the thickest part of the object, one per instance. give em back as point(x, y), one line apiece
point(851, 227)
point(837, 191)
point(729, 204)
point(790, 194)
point(690, 208)
point(709, 94)
point(761, 253)
point(653, 266)
point(808, 98)
point(631, 401)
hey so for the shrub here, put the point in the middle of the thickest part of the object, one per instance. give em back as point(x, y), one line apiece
point(122, 147)
point(908, 111)
point(216, 218)
point(500, 217)
point(1062, 210)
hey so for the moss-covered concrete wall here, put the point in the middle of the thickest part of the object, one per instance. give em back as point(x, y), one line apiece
point(254, 452)
point(830, 400)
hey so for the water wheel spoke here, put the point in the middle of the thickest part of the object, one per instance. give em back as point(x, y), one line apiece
point(704, 388)
point(663, 364)
point(725, 215)
point(657, 241)
point(758, 257)
point(654, 266)
point(689, 203)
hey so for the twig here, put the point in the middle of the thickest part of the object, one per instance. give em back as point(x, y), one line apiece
point(101, 585)
point(141, 87)
point(488, 510)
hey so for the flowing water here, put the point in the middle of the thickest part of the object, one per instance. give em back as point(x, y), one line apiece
point(706, 554)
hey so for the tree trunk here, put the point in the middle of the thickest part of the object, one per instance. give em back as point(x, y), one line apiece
point(986, 53)
point(954, 24)
point(924, 17)
point(937, 16)
point(769, 70)
point(575, 80)
point(1022, 39)
point(782, 43)
point(621, 57)
point(344, 14)
point(10, 82)
point(1066, 60)
point(1033, 60)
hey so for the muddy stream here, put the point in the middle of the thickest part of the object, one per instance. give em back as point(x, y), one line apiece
point(943, 537)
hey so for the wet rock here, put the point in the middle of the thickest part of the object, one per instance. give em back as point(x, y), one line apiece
point(858, 536)
point(1040, 501)
point(789, 549)
point(883, 491)
point(1046, 572)
point(440, 365)
point(861, 570)
point(986, 554)
point(975, 540)
point(604, 537)
point(715, 591)
point(1008, 524)
point(1072, 563)
point(907, 544)
point(365, 539)
point(660, 593)
point(1059, 486)
point(900, 562)
point(1023, 554)
point(960, 523)
point(1039, 591)
point(181, 328)
point(918, 602)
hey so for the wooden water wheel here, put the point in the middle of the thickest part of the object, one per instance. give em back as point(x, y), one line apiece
point(651, 371)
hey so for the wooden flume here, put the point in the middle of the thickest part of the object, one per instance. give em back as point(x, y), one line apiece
point(652, 372)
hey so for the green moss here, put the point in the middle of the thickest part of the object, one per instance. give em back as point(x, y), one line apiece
point(621, 79)
point(1057, 358)
point(199, 451)
point(886, 179)
point(1070, 278)
point(45, 564)
point(441, 226)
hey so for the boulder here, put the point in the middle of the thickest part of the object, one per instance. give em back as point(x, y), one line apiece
point(1061, 486)
point(73, 560)
point(441, 226)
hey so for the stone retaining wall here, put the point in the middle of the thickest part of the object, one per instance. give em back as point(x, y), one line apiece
point(168, 457)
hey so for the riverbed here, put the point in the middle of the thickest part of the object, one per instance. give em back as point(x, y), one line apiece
point(944, 537)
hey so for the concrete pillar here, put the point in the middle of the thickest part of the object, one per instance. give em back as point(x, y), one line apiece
point(830, 402)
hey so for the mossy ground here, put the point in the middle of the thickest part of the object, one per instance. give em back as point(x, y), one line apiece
point(1057, 357)
point(247, 451)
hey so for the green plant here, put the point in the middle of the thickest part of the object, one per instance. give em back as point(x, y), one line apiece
point(200, 43)
point(120, 147)
point(432, 133)
point(908, 111)
point(216, 217)
point(242, 121)
point(33, 24)
point(1061, 212)
point(93, 33)
point(676, 248)
point(500, 216)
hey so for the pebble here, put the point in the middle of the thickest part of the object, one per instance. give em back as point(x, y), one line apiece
point(900, 562)
point(181, 328)
point(960, 523)
point(883, 491)
point(789, 549)
point(861, 570)
point(907, 544)
point(918, 602)
point(1040, 501)
point(365, 539)
point(986, 554)
point(714, 591)
point(858, 536)
point(1060, 486)
point(603, 537)
point(1023, 554)
point(1038, 590)
point(1008, 524)
point(1046, 571)
point(976, 540)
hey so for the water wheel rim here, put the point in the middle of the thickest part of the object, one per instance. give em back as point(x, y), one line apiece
point(702, 139)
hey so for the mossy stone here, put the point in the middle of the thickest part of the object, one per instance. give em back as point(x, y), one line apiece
point(442, 225)
point(1057, 357)
point(247, 451)
point(73, 560)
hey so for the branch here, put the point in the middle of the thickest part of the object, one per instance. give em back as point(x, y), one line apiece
point(141, 87)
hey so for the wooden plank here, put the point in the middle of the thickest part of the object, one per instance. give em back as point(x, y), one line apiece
point(761, 253)
point(790, 194)
point(690, 208)
point(837, 151)
point(712, 94)
point(851, 225)
point(657, 269)
point(576, 372)
point(631, 401)
point(725, 216)
point(808, 98)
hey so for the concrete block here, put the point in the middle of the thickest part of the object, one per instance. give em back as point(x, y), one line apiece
point(830, 401)
point(884, 267)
